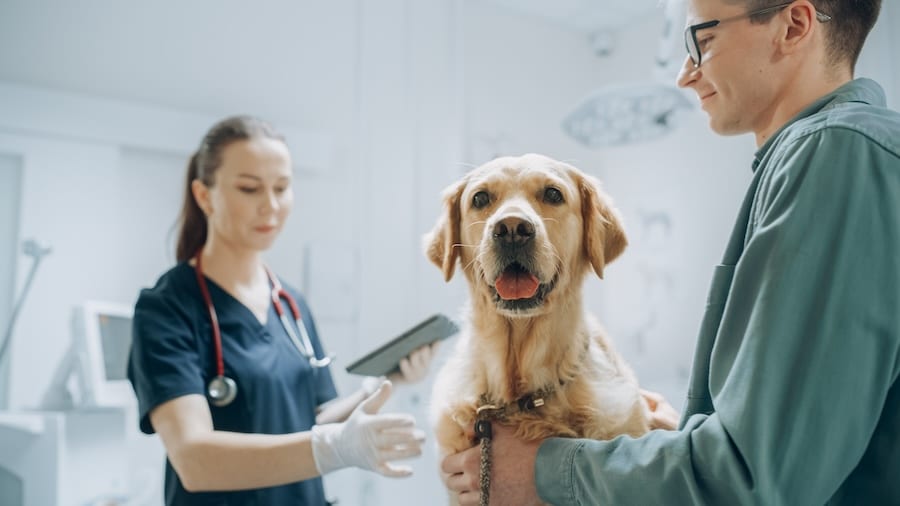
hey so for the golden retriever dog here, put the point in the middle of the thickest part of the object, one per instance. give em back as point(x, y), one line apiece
point(526, 231)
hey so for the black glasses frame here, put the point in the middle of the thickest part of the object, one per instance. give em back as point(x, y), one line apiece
point(690, 33)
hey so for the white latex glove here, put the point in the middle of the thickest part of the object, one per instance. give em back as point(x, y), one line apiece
point(415, 366)
point(368, 440)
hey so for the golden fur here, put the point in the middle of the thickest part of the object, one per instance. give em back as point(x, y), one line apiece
point(508, 349)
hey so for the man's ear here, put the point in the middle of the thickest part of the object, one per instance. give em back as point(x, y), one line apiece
point(800, 18)
point(443, 242)
point(604, 237)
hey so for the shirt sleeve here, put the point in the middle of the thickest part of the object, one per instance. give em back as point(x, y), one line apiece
point(164, 362)
point(804, 358)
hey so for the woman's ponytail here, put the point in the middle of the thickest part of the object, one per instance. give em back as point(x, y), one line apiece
point(192, 222)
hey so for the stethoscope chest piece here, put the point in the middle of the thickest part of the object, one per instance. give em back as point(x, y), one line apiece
point(221, 391)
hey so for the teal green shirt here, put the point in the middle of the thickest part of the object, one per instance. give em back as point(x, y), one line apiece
point(793, 398)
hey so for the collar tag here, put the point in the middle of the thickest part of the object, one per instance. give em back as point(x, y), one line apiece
point(530, 403)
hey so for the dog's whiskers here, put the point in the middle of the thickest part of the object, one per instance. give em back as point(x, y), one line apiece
point(549, 250)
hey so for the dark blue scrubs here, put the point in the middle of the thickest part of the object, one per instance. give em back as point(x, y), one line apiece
point(278, 391)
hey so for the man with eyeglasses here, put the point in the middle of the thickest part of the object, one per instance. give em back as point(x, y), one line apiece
point(794, 397)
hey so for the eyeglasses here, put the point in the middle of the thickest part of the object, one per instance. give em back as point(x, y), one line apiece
point(690, 33)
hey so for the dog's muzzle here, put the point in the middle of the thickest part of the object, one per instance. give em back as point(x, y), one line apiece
point(513, 232)
point(516, 286)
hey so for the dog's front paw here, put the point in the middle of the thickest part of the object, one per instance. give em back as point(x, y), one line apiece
point(455, 429)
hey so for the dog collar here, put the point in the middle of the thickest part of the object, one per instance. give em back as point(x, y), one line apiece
point(489, 410)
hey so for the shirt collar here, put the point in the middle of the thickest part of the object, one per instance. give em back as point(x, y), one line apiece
point(861, 90)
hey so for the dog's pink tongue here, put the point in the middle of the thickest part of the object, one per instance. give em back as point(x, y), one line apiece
point(516, 285)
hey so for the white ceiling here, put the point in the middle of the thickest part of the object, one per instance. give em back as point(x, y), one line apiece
point(281, 49)
point(169, 55)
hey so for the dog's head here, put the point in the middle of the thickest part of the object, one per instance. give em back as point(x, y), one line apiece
point(523, 229)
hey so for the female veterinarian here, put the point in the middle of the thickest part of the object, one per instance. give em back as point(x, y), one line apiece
point(226, 362)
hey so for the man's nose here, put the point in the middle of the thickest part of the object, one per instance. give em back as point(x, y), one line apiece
point(687, 76)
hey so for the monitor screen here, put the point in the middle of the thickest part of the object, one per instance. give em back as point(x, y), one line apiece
point(115, 339)
point(102, 342)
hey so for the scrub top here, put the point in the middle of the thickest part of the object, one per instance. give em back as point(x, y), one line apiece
point(173, 354)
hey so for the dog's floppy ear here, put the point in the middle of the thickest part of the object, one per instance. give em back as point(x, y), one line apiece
point(604, 236)
point(443, 242)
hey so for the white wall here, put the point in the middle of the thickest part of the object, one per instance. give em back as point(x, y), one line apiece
point(879, 57)
point(407, 148)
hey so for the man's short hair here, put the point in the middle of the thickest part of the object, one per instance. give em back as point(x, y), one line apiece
point(851, 22)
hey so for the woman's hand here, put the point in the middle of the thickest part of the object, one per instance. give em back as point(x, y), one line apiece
point(368, 440)
point(415, 367)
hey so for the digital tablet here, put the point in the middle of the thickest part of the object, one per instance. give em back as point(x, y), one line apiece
point(386, 359)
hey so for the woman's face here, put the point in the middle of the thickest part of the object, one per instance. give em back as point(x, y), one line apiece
point(251, 196)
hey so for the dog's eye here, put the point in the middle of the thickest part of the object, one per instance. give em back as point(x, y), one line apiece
point(553, 195)
point(481, 200)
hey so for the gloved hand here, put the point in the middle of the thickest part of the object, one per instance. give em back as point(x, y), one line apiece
point(415, 367)
point(368, 440)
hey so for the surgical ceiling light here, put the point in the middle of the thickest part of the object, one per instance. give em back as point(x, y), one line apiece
point(626, 114)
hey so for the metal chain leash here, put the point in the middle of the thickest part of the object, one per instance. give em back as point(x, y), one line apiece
point(484, 434)
point(485, 478)
point(488, 412)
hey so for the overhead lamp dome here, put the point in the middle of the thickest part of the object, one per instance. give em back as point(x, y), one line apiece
point(625, 114)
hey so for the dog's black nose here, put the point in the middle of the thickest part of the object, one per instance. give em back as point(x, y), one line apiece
point(513, 231)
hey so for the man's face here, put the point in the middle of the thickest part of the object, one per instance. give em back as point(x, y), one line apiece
point(736, 81)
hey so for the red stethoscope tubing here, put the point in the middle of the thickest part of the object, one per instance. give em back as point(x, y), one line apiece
point(278, 293)
point(304, 345)
point(214, 319)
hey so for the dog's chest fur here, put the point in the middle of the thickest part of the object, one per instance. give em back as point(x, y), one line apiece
point(584, 392)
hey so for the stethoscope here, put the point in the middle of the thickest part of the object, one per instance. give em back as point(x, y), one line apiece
point(222, 389)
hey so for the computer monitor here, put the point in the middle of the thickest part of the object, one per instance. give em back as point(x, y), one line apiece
point(92, 372)
point(101, 339)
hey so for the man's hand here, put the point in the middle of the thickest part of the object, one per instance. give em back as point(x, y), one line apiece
point(512, 471)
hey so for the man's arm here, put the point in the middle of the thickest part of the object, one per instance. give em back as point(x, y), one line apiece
point(803, 359)
point(515, 484)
